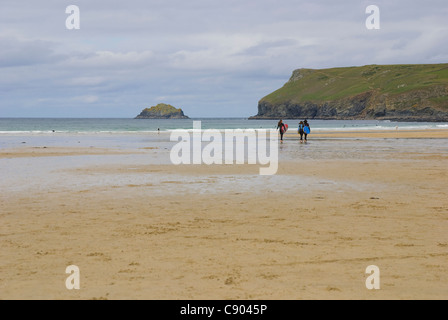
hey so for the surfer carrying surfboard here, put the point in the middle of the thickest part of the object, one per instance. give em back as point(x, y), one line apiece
point(300, 131)
point(306, 128)
point(282, 128)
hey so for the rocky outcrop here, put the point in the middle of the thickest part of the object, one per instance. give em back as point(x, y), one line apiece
point(162, 111)
point(410, 100)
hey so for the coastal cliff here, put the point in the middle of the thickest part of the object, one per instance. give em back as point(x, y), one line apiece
point(389, 92)
point(162, 111)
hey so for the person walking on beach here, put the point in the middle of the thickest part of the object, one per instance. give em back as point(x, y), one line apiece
point(300, 131)
point(282, 128)
point(306, 124)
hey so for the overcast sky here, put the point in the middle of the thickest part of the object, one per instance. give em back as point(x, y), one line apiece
point(212, 58)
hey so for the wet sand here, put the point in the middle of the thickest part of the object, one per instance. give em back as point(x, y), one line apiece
point(158, 231)
point(32, 152)
point(386, 134)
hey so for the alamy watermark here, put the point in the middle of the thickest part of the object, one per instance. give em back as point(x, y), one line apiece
point(373, 20)
point(229, 146)
point(373, 280)
point(73, 281)
point(73, 21)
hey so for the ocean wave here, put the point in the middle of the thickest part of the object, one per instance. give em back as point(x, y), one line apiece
point(25, 132)
point(381, 128)
point(39, 132)
point(352, 128)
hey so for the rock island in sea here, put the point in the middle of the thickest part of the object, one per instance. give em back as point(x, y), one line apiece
point(162, 111)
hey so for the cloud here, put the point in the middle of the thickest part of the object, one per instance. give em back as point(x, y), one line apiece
point(108, 59)
point(212, 58)
point(263, 47)
point(86, 99)
point(87, 81)
point(21, 52)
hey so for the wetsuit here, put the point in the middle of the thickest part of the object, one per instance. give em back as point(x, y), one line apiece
point(301, 131)
point(282, 129)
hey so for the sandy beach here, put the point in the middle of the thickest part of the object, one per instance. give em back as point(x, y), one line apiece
point(140, 230)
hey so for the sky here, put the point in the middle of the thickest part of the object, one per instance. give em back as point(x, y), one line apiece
point(212, 58)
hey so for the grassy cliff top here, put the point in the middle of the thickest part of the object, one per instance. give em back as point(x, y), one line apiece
point(309, 85)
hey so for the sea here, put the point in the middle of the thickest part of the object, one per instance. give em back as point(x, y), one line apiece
point(36, 126)
point(133, 133)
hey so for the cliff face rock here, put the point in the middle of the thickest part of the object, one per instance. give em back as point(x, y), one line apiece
point(162, 111)
point(399, 92)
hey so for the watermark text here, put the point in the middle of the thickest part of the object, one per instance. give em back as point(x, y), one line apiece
point(230, 146)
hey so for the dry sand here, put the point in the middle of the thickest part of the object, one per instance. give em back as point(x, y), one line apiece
point(132, 242)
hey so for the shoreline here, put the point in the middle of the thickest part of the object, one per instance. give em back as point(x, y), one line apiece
point(393, 134)
point(321, 132)
point(316, 129)
point(397, 120)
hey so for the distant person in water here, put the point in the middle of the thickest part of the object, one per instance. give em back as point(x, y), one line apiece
point(306, 124)
point(282, 128)
point(300, 131)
